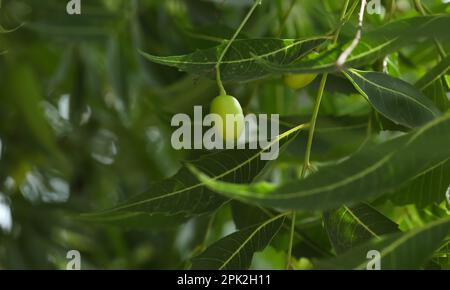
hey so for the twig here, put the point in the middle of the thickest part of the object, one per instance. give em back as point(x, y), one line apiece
point(312, 128)
point(224, 52)
point(343, 57)
point(306, 163)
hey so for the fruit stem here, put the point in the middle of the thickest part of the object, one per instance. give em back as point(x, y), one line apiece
point(225, 50)
point(306, 163)
point(312, 127)
point(291, 239)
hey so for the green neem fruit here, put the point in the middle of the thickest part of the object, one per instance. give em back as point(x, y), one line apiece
point(228, 105)
point(298, 81)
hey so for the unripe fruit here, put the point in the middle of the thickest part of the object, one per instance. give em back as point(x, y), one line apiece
point(298, 81)
point(228, 105)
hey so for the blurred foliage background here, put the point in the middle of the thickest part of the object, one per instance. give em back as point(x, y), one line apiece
point(85, 122)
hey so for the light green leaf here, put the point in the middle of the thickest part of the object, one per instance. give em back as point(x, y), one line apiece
point(371, 172)
point(348, 227)
point(235, 251)
point(239, 62)
point(409, 250)
point(395, 99)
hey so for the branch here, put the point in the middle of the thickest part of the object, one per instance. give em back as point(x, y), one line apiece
point(343, 57)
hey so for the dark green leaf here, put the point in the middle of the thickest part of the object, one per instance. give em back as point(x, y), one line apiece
point(425, 189)
point(184, 194)
point(375, 44)
point(239, 63)
point(335, 138)
point(393, 98)
point(371, 172)
point(245, 215)
point(409, 250)
point(434, 74)
point(235, 252)
point(437, 93)
point(348, 227)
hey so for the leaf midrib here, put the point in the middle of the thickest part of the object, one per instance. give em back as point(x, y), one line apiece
point(280, 137)
point(397, 243)
point(392, 91)
point(167, 60)
point(225, 263)
point(355, 176)
point(358, 220)
point(330, 64)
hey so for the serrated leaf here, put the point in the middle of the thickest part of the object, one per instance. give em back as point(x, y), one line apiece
point(239, 62)
point(348, 227)
point(235, 251)
point(425, 189)
point(371, 172)
point(183, 194)
point(409, 250)
point(375, 44)
point(245, 215)
point(395, 99)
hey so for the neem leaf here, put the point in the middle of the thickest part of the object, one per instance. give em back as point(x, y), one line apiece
point(425, 189)
point(395, 99)
point(409, 250)
point(235, 251)
point(371, 172)
point(348, 227)
point(184, 194)
point(239, 63)
point(375, 44)
point(434, 74)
